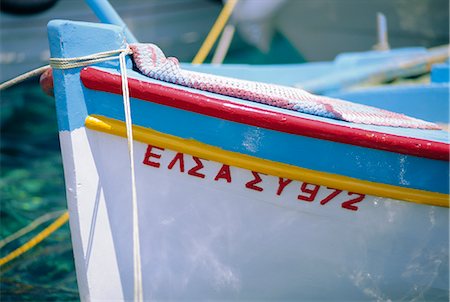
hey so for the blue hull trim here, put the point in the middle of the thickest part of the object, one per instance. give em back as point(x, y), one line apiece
point(358, 162)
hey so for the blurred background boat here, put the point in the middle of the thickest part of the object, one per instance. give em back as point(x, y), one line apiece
point(424, 98)
point(321, 29)
point(284, 31)
point(178, 26)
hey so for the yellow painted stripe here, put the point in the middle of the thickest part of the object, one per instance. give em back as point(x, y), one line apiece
point(195, 148)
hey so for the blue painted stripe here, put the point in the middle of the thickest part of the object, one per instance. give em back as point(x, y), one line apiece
point(358, 162)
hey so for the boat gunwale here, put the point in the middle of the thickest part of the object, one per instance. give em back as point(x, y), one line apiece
point(101, 80)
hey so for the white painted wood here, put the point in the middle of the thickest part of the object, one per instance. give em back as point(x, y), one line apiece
point(203, 238)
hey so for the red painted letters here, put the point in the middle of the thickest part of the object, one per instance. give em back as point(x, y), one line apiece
point(350, 204)
point(309, 192)
point(224, 173)
point(256, 180)
point(149, 154)
point(312, 192)
point(199, 166)
point(331, 196)
point(179, 157)
point(282, 183)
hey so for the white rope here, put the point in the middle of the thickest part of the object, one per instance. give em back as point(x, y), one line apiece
point(138, 292)
point(23, 77)
point(66, 63)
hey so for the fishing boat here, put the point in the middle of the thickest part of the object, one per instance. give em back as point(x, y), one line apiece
point(202, 187)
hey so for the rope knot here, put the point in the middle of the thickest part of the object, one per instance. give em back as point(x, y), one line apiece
point(68, 63)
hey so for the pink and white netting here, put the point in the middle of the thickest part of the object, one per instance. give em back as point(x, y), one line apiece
point(152, 62)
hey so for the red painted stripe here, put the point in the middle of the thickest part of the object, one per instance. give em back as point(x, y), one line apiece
point(101, 80)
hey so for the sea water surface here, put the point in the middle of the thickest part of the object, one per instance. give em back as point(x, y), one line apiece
point(32, 185)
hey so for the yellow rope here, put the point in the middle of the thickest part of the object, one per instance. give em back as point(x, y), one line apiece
point(37, 239)
point(215, 32)
point(30, 227)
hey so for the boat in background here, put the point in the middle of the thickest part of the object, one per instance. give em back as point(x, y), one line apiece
point(179, 26)
point(428, 101)
point(239, 199)
point(321, 29)
point(346, 71)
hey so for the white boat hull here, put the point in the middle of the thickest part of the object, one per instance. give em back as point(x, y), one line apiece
point(214, 233)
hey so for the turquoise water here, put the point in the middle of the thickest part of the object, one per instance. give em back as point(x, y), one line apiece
point(32, 185)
